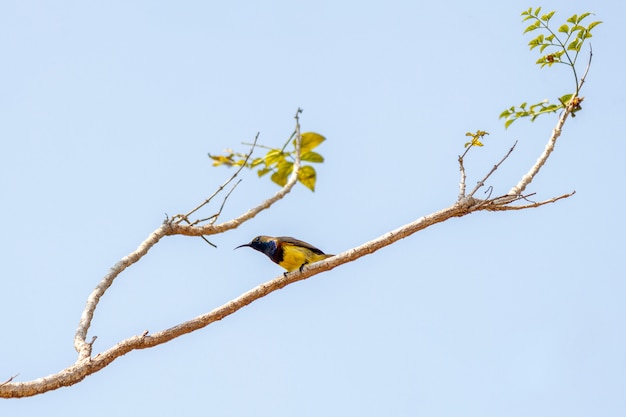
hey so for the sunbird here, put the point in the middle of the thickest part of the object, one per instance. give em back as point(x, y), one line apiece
point(292, 254)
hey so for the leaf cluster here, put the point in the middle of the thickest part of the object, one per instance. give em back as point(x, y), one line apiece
point(279, 162)
point(476, 138)
point(533, 111)
point(563, 49)
point(557, 47)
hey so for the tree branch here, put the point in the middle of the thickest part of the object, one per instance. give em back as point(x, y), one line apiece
point(462, 185)
point(171, 227)
point(87, 365)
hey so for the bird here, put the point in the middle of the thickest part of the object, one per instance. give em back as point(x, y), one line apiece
point(288, 252)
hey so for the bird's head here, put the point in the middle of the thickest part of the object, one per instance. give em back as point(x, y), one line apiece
point(265, 244)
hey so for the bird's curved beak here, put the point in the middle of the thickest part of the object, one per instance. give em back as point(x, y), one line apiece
point(241, 246)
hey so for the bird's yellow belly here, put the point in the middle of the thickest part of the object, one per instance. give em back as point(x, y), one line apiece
point(294, 257)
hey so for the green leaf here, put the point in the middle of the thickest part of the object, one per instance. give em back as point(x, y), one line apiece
point(312, 157)
point(566, 98)
point(574, 45)
point(593, 25)
point(564, 28)
point(273, 157)
point(533, 26)
point(582, 16)
point(281, 180)
point(262, 172)
point(280, 177)
point(548, 16)
point(255, 162)
point(505, 113)
point(285, 166)
point(475, 142)
point(310, 140)
point(533, 44)
point(222, 160)
point(508, 123)
point(307, 176)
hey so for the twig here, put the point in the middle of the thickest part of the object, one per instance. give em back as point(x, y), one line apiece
point(185, 217)
point(481, 183)
point(180, 218)
point(489, 191)
point(9, 380)
point(214, 217)
point(582, 79)
point(186, 220)
point(501, 207)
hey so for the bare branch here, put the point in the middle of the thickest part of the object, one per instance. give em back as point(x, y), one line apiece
point(500, 207)
point(534, 170)
point(82, 347)
point(582, 79)
point(481, 183)
point(463, 178)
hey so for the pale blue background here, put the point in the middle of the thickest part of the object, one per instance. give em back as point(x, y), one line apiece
point(107, 112)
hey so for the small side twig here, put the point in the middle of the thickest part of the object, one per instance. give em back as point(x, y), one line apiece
point(9, 380)
point(212, 219)
point(582, 79)
point(185, 217)
point(481, 183)
point(506, 207)
point(182, 217)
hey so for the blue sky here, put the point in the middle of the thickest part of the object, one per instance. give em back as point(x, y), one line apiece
point(108, 111)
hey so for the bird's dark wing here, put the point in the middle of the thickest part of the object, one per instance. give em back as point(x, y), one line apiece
point(292, 241)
